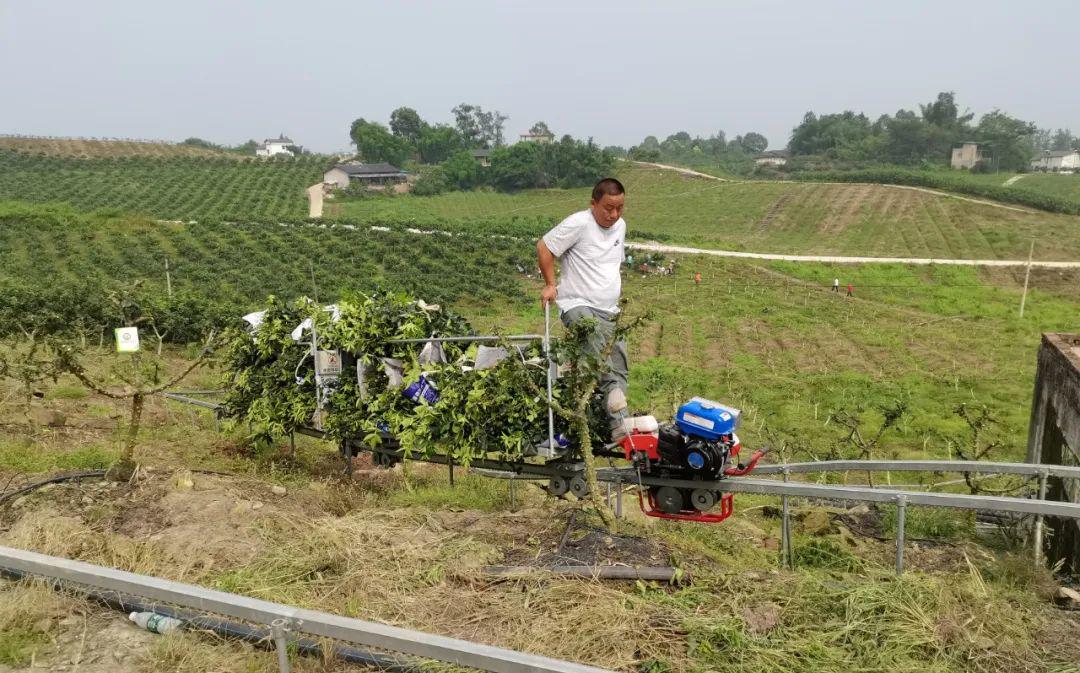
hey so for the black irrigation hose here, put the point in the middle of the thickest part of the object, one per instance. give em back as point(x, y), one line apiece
point(256, 635)
point(92, 474)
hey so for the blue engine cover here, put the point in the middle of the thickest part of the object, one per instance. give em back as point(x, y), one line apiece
point(707, 419)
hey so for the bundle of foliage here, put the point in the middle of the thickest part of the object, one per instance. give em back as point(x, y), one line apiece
point(498, 411)
point(268, 386)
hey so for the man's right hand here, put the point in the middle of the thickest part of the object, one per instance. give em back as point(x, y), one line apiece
point(547, 295)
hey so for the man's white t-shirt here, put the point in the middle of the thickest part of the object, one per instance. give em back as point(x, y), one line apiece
point(590, 257)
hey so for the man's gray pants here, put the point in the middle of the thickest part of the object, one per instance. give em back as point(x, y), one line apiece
point(618, 365)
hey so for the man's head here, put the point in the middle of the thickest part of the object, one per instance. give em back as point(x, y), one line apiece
point(607, 202)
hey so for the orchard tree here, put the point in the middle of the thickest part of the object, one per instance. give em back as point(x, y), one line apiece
point(136, 376)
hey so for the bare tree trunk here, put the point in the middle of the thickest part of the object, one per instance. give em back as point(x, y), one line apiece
point(582, 421)
point(125, 467)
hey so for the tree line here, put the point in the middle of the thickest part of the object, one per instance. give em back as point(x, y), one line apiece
point(735, 155)
point(925, 137)
point(447, 152)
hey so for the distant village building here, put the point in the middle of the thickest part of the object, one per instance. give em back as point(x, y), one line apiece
point(372, 175)
point(1057, 160)
point(541, 138)
point(272, 146)
point(483, 157)
point(772, 158)
point(966, 155)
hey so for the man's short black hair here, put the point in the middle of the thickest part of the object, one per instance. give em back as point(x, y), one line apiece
point(609, 186)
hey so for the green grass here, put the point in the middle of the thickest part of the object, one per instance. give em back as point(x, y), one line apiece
point(68, 392)
point(1061, 185)
point(796, 217)
point(17, 645)
point(21, 456)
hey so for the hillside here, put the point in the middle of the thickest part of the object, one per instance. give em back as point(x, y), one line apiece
point(173, 187)
point(406, 548)
point(85, 148)
point(769, 338)
point(1060, 185)
point(54, 255)
point(790, 217)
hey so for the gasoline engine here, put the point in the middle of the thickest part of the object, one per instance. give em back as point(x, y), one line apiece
point(700, 445)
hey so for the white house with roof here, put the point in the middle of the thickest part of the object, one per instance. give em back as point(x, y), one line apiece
point(377, 176)
point(272, 146)
point(1057, 161)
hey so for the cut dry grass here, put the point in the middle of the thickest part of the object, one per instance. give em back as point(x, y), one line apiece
point(27, 614)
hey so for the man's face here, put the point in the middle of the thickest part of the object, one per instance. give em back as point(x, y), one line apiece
point(608, 209)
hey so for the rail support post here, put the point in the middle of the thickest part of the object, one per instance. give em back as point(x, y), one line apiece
point(618, 499)
point(901, 511)
point(450, 465)
point(1038, 533)
point(787, 557)
point(279, 632)
point(513, 495)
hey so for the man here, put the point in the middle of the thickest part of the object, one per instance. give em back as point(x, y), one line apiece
point(589, 246)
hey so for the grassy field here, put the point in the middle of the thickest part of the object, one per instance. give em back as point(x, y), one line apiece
point(801, 218)
point(1055, 184)
point(774, 341)
point(769, 338)
point(171, 187)
point(409, 550)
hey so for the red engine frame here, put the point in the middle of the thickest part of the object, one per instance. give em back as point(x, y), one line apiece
point(639, 444)
point(727, 508)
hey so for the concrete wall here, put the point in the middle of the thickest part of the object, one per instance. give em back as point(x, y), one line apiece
point(965, 156)
point(336, 176)
point(1054, 435)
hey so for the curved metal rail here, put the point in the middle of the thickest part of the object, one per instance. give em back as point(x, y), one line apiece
point(1039, 507)
point(962, 466)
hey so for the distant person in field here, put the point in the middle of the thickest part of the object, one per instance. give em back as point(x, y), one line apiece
point(850, 290)
point(589, 247)
point(836, 285)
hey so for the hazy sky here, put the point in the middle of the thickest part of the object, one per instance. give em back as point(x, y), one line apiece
point(231, 70)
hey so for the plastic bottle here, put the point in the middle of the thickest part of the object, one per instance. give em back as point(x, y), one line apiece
point(155, 623)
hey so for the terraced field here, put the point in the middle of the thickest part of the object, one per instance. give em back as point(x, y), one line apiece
point(807, 218)
point(88, 148)
point(174, 187)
